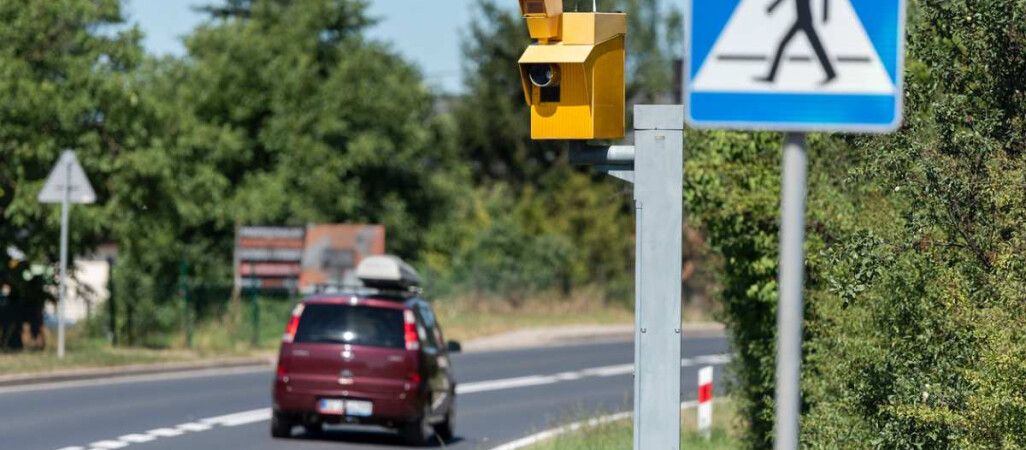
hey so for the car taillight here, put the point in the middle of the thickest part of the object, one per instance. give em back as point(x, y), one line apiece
point(290, 329)
point(281, 370)
point(414, 378)
point(410, 327)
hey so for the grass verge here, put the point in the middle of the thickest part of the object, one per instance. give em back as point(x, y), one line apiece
point(619, 435)
point(89, 353)
point(467, 317)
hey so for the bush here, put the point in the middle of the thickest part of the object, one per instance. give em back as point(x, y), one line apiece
point(915, 276)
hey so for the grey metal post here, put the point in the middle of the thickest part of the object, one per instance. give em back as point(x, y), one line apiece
point(789, 308)
point(658, 195)
point(61, 294)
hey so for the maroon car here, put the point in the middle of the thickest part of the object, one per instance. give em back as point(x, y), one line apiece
point(374, 357)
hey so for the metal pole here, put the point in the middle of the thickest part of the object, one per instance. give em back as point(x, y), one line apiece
point(111, 302)
point(183, 283)
point(789, 308)
point(255, 303)
point(61, 293)
point(658, 195)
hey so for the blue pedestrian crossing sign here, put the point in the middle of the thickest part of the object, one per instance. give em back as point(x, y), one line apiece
point(795, 65)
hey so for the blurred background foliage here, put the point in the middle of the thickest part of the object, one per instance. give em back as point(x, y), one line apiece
point(282, 112)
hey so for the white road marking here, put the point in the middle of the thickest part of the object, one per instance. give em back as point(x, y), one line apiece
point(243, 418)
point(240, 418)
point(508, 383)
point(706, 359)
point(165, 432)
point(590, 423)
point(609, 371)
point(137, 438)
point(249, 420)
point(109, 445)
point(535, 380)
point(193, 426)
point(263, 414)
point(606, 371)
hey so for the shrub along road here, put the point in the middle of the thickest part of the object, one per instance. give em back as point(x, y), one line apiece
point(503, 396)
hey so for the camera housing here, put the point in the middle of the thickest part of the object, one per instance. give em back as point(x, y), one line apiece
point(574, 82)
point(543, 18)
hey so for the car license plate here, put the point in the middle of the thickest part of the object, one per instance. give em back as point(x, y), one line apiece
point(331, 406)
point(359, 408)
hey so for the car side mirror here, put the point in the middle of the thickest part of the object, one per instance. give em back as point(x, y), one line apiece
point(454, 347)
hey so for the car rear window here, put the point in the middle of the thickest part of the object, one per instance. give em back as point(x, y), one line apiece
point(355, 325)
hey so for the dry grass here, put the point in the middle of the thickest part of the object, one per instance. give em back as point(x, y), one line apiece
point(467, 317)
point(91, 356)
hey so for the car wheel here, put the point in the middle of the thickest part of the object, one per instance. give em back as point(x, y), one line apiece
point(445, 429)
point(281, 425)
point(416, 433)
point(314, 428)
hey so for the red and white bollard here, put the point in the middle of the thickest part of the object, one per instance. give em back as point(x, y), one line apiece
point(705, 397)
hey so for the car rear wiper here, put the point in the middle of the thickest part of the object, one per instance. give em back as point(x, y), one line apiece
point(324, 339)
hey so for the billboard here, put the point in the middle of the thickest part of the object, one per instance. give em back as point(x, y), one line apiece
point(268, 258)
point(291, 259)
point(331, 253)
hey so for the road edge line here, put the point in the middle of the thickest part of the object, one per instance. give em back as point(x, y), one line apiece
point(590, 423)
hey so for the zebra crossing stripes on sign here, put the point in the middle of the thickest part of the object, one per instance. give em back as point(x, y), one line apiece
point(795, 65)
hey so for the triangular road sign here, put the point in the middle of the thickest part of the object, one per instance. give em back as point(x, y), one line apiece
point(743, 55)
point(67, 171)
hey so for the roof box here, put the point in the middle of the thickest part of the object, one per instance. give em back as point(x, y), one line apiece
point(387, 272)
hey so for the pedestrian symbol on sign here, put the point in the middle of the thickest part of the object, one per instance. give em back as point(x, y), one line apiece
point(796, 65)
point(803, 24)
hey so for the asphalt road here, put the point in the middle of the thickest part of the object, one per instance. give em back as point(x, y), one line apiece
point(503, 396)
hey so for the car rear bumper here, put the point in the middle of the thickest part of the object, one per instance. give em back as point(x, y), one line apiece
point(388, 406)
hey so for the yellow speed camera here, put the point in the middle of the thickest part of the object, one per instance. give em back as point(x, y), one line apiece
point(573, 77)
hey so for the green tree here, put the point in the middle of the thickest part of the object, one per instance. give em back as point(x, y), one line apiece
point(936, 291)
point(68, 83)
point(319, 123)
point(282, 113)
point(286, 115)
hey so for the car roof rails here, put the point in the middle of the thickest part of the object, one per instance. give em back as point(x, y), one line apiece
point(359, 290)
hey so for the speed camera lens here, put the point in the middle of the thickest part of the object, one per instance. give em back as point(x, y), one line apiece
point(544, 75)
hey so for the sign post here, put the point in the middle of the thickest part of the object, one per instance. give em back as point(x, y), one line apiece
point(655, 165)
point(794, 66)
point(789, 309)
point(66, 184)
